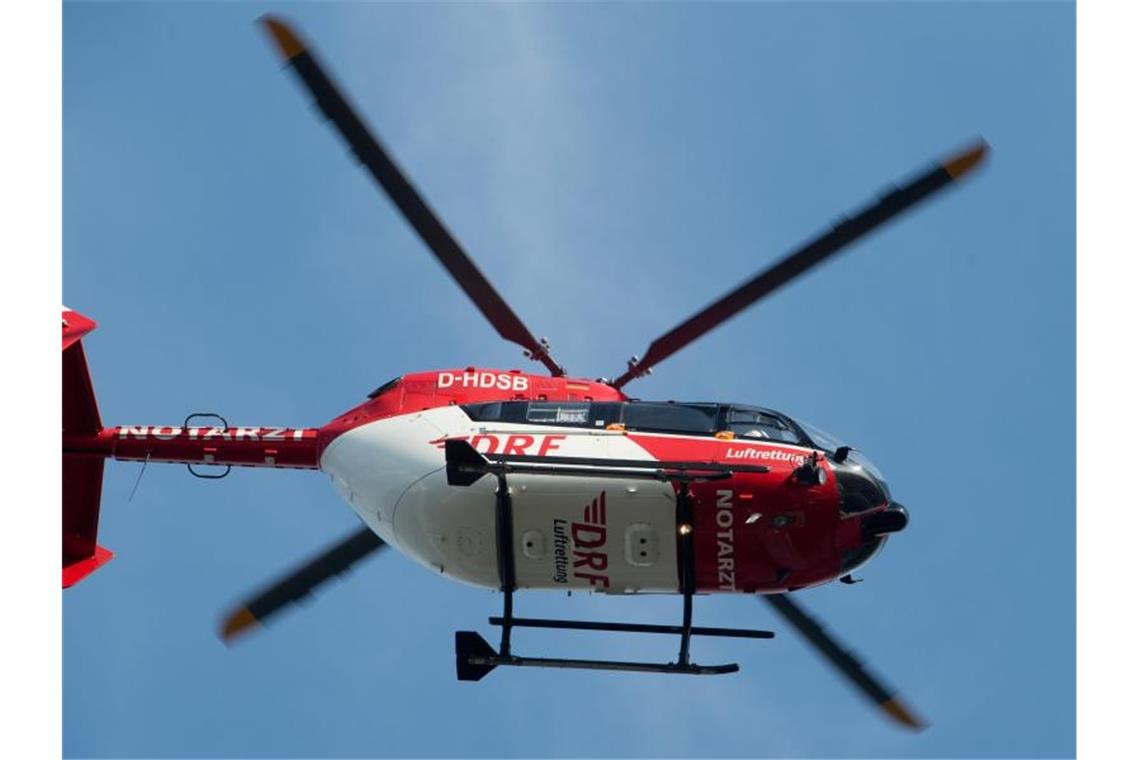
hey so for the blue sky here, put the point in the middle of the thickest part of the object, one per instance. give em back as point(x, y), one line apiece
point(612, 168)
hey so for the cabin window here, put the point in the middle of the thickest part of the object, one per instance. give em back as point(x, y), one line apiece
point(497, 411)
point(605, 413)
point(698, 419)
point(559, 413)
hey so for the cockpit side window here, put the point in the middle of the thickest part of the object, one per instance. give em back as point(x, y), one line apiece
point(754, 423)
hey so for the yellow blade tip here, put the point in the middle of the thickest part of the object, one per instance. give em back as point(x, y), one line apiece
point(963, 162)
point(237, 623)
point(897, 710)
point(287, 41)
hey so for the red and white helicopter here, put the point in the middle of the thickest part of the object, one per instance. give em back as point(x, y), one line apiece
point(510, 480)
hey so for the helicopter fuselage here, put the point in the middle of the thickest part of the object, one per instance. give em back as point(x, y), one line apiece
point(758, 527)
point(753, 531)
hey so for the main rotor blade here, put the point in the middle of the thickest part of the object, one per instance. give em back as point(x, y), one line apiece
point(806, 257)
point(887, 700)
point(300, 583)
point(384, 170)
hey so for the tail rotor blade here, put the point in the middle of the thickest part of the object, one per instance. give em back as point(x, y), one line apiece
point(887, 700)
point(405, 197)
point(806, 257)
point(299, 583)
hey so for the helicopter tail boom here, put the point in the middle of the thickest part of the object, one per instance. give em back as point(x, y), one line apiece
point(222, 445)
point(86, 444)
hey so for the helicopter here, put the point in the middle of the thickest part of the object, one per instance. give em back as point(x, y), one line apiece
point(513, 480)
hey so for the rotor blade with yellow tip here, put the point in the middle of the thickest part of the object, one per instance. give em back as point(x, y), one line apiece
point(809, 255)
point(404, 196)
point(299, 583)
point(888, 701)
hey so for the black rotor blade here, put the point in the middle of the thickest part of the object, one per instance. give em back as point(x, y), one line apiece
point(384, 170)
point(806, 257)
point(887, 700)
point(300, 583)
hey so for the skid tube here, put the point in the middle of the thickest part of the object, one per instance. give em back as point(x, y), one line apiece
point(614, 665)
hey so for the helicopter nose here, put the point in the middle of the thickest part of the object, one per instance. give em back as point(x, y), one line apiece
point(891, 520)
point(904, 515)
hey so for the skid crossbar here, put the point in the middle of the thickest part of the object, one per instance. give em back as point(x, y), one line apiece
point(675, 630)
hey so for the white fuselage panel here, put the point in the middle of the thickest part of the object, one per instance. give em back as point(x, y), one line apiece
point(603, 534)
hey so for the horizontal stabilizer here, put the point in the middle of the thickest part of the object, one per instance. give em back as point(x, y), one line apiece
point(75, 326)
point(80, 569)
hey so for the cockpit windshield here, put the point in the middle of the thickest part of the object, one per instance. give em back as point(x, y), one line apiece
point(820, 438)
point(756, 423)
point(824, 440)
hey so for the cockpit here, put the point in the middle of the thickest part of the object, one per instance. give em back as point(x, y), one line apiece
point(703, 419)
point(863, 492)
point(862, 488)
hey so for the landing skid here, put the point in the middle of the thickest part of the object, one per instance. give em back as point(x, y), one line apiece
point(475, 658)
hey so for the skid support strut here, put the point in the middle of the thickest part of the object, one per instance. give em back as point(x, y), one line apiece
point(475, 658)
point(686, 566)
point(504, 534)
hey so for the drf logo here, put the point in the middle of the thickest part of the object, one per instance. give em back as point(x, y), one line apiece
point(589, 537)
point(490, 443)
